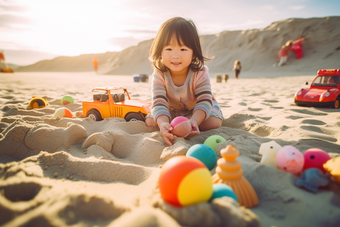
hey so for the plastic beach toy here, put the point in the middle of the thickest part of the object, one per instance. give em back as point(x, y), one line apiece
point(185, 181)
point(181, 126)
point(268, 151)
point(204, 153)
point(63, 112)
point(212, 141)
point(315, 158)
point(229, 172)
point(333, 167)
point(37, 102)
point(312, 179)
point(290, 159)
point(67, 99)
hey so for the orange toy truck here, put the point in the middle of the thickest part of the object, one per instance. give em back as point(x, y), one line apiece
point(111, 102)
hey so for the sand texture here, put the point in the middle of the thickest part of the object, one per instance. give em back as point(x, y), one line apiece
point(77, 172)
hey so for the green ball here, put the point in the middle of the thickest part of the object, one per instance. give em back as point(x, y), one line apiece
point(212, 141)
point(67, 99)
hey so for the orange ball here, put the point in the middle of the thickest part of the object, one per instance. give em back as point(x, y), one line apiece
point(185, 181)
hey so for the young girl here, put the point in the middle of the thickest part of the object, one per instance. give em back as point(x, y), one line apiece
point(237, 68)
point(180, 81)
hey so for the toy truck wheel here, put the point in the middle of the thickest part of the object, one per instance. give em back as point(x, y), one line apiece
point(337, 103)
point(134, 117)
point(94, 115)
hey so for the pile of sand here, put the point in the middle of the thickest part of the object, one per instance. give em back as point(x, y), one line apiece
point(74, 171)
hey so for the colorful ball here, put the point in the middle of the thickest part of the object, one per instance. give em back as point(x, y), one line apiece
point(178, 120)
point(212, 141)
point(204, 153)
point(220, 190)
point(37, 102)
point(67, 99)
point(315, 158)
point(185, 181)
point(290, 159)
point(63, 112)
point(181, 126)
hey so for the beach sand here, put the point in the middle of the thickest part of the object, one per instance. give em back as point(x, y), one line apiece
point(77, 172)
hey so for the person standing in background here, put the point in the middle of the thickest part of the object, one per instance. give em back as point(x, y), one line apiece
point(237, 68)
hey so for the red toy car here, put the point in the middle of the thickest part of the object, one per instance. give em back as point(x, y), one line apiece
point(323, 92)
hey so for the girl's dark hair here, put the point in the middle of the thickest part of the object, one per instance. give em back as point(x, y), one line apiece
point(185, 31)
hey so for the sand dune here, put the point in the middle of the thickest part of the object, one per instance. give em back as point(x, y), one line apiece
point(73, 171)
point(257, 50)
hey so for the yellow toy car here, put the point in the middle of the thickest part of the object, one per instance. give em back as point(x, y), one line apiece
point(110, 102)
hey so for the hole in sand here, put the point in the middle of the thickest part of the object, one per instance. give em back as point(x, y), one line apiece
point(21, 192)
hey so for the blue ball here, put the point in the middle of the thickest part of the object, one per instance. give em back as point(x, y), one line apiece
point(204, 153)
point(220, 190)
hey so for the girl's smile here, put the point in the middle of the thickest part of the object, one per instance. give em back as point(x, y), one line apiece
point(177, 57)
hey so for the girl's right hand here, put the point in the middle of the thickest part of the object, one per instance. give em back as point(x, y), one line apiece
point(165, 129)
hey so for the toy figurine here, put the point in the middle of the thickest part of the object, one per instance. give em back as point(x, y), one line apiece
point(333, 167)
point(315, 158)
point(230, 173)
point(290, 159)
point(312, 179)
point(269, 151)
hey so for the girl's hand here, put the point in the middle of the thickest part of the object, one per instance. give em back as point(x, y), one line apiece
point(165, 129)
point(195, 130)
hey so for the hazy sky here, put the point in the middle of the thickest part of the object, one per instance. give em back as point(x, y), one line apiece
point(73, 27)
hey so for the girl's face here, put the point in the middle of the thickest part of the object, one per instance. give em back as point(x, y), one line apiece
point(177, 58)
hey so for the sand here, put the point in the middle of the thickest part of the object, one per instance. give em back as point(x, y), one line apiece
point(74, 171)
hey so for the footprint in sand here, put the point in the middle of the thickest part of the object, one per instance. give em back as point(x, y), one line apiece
point(320, 133)
point(293, 117)
point(313, 122)
point(305, 111)
point(271, 100)
point(254, 109)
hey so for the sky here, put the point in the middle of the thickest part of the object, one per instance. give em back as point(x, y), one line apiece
point(34, 30)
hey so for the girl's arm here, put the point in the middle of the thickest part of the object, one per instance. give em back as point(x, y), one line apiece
point(202, 89)
point(165, 128)
point(159, 100)
point(196, 120)
point(159, 108)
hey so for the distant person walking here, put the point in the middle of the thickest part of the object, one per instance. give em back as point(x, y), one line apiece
point(237, 68)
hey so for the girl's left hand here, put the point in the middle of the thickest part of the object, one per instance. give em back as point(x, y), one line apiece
point(195, 130)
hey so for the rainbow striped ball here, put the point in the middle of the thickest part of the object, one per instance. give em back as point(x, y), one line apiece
point(185, 181)
point(63, 112)
point(67, 99)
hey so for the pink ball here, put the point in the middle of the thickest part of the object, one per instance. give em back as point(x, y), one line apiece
point(181, 126)
point(178, 120)
point(315, 158)
point(290, 159)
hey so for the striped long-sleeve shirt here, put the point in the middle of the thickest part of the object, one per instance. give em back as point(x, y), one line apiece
point(194, 94)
